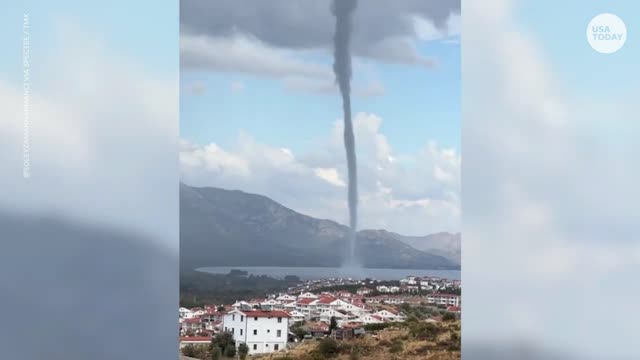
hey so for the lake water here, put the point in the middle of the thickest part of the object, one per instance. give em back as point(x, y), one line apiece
point(314, 273)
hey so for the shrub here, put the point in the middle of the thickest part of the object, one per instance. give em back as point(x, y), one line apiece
point(449, 317)
point(243, 350)
point(328, 348)
point(378, 327)
point(230, 351)
point(396, 347)
point(194, 351)
point(216, 354)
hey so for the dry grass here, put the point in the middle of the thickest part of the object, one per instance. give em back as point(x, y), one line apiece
point(385, 346)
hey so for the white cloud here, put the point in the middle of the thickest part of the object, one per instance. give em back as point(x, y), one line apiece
point(403, 195)
point(240, 53)
point(544, 218)
point(426, 30)
point(330, 175)
point(245, 55)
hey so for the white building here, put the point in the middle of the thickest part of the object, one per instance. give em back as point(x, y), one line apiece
point(363, 291)
point(184, 312)
point(296, 316)
point(347, 306)
point(271, 305)
point(390, 315)
point(240, 305)
point(443, 299)
point(308, 295)
point(394, 300)
point(307, 306)
point(326, 316)
point(286, 298)
point(262, 331)
point(371, 319)
point(198, 312)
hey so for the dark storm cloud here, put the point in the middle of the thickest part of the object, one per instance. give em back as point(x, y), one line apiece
point(379, 27)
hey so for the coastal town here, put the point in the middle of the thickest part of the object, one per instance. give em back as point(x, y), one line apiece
point(335, 308)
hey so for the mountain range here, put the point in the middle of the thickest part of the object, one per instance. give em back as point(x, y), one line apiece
point(221, 227)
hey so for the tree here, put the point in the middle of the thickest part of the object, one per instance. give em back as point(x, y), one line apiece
point(333, 325)
point(448, 317)
point(216, 354)
point(223, 341)
point(243, 351)
point(221, 308)
point(299, 331)
point(189, 350)
point(230, 351)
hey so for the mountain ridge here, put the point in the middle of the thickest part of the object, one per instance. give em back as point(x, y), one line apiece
point(222, 227)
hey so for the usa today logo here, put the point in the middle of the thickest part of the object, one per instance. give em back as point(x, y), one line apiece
point(606, 33)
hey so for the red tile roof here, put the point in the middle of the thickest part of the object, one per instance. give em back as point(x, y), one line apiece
point(306, 301)
point(192, 321)
point(326, 300)
point(261, 313)
point(195, 338)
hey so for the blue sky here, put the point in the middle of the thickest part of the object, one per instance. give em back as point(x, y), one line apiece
point(260, 111)
point(418, 104)
point(561, 27)
point(97, 19)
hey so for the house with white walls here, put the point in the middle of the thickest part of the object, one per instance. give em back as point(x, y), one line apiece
point(324, 303)
point(241, 305)
point(296, 316)
point(326, 315)
point(308, 295)
point(391, 315)
point(198, 312)
point(184, 312)
point(262, 331)
point(271, 304)
point(192, 325)
point(289, 306)
point(370, 319)
point(285, 298)
point(307, 306)
point(443, 299)
point(349, 307)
